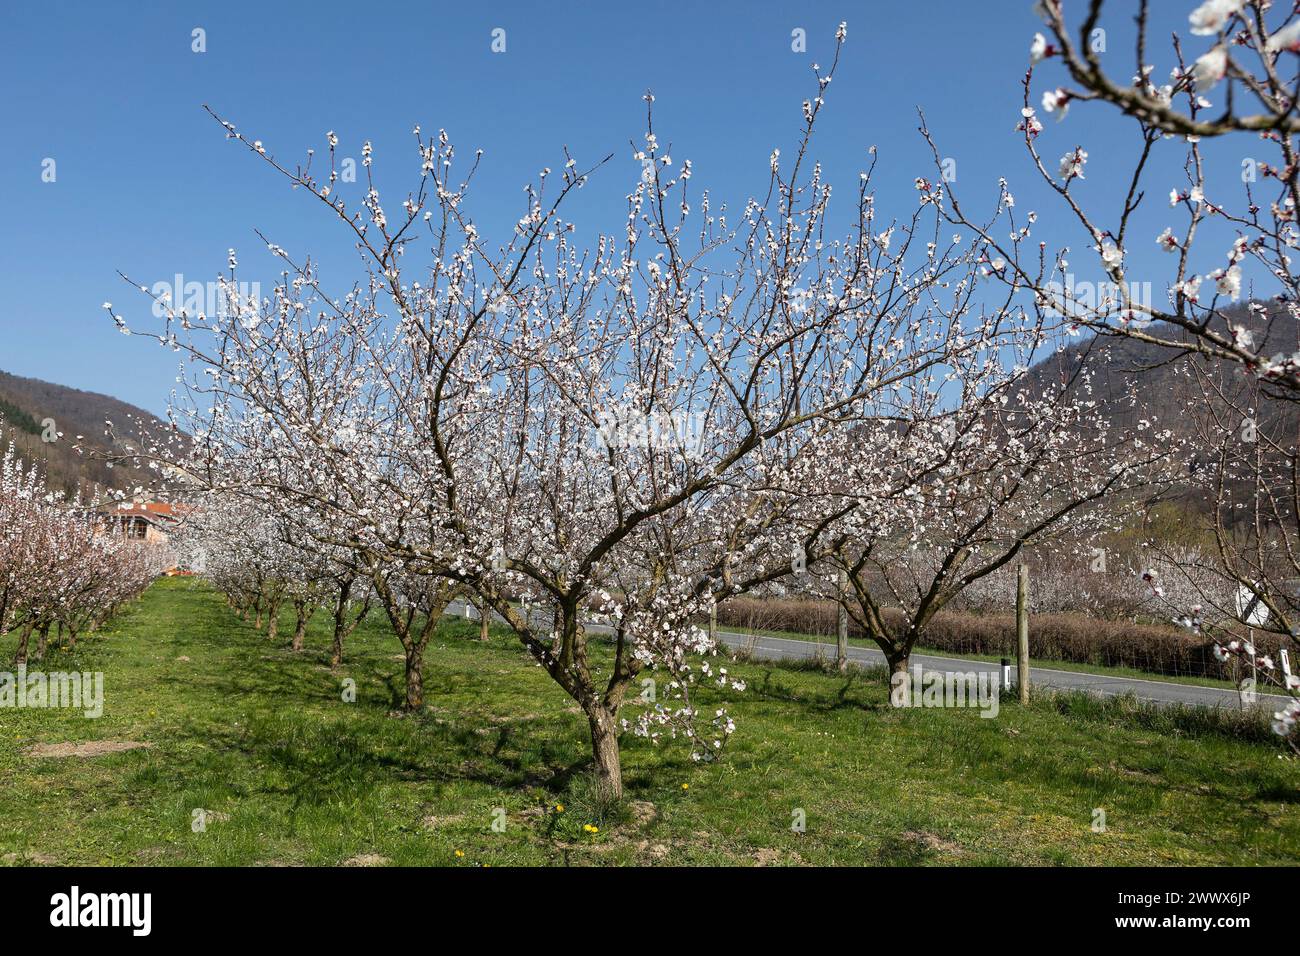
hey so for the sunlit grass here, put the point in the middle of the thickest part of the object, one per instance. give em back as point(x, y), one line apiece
point(289, 773)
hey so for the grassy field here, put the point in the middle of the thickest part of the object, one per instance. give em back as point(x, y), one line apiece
point(288, 773)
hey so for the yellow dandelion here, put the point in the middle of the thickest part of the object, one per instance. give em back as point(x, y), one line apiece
point(460, 852)
point(559, 808)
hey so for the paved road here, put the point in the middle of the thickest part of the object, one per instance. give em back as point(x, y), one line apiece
point(1156, 691)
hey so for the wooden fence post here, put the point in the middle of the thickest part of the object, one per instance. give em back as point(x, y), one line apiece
point(1022, 631)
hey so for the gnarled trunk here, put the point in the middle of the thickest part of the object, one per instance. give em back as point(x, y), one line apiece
point(557, 641)
point(273, 621)
point(336, 648)
point(414, 675)
point(340, 624)
point(24, 636)
point(302, 616)
point(604, 748)
point(897, 659)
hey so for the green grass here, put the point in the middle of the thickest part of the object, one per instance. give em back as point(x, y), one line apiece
point(261, 738)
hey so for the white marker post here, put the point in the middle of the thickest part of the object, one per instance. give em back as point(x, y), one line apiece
point(1253, 613)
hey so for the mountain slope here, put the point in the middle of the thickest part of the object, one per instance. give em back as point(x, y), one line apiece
point(32, 410)
point(1134, 381)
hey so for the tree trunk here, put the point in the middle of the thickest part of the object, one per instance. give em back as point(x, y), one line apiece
point(336, 650)
point(23, 636)
point(340, 624)
point(604, 747)
point(43, 640)
point(273, 621)
point(898, 659)
point(414, 676)
point(300, 630)
point(557, 642)
point(484, 615)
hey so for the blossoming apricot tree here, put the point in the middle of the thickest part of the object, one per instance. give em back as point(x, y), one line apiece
point(61, 564)
point(625, 432)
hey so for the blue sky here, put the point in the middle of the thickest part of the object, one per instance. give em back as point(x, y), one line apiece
point(146, 182)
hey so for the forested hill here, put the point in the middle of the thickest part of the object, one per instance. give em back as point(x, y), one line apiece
point(1134, 380)
point(29, 405)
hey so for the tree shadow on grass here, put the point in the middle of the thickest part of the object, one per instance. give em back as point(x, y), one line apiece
point(311, 757)
point(1279, 791)
point(899, 850)
point(769, 688)
point(318, 762)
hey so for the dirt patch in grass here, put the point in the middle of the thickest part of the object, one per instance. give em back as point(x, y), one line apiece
point(648, 851)
point(655, 851)
point(1130, 771)
point(156, 855)
point(367, 859)
point(767, 856)
point(913, 847)
point(90, 748)
point(643, 811)
point(28, 858)
point(932, 842)
point(432, 822)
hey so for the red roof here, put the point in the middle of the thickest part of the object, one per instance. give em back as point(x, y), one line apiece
point(156, 510)
point(162, 508)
